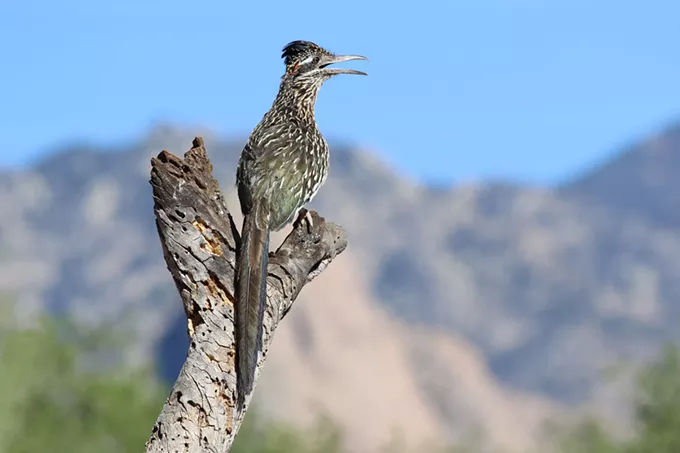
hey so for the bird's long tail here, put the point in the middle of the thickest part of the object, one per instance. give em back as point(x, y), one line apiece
point(251, 297)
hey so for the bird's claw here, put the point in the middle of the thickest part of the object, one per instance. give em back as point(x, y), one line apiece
point(310, 221)
point(305, 216)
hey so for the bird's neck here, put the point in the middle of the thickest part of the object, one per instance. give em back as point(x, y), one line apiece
point(297, 98)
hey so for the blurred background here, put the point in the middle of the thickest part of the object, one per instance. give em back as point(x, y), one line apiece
point(507, 175)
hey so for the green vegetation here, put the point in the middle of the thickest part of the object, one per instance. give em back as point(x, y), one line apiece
point(260, 436)
point(51, 399)
point(657, 415)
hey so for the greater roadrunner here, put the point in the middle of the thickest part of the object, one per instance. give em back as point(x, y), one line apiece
point(281, 168)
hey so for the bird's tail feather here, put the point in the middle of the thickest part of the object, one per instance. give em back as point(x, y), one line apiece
point(251, 296)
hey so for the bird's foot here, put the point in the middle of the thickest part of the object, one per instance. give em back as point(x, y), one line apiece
point(310, 221)
point(306, 216)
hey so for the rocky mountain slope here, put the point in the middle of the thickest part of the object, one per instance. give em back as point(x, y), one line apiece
point(489, 304)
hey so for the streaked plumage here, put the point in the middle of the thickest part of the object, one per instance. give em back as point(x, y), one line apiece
point(281, 169)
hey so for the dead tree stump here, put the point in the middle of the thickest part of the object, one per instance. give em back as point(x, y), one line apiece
point(200, 241)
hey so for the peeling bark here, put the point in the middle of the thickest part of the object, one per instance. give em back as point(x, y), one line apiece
point(200, 241)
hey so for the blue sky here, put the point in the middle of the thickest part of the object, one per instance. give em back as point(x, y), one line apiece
point(522, 89)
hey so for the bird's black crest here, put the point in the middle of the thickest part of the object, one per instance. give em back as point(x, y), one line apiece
point(296, 49)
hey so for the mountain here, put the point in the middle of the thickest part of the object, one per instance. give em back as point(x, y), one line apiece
point(490, 305)
point(640, 183)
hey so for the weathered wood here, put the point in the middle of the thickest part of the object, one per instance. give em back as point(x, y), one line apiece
point(199, 241)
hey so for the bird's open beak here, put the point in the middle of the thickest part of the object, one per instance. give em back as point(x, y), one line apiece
point(339, 59)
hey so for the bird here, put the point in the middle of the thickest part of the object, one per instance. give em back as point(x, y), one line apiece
point(281, 168)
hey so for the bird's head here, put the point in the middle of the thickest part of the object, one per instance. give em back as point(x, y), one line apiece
point(308, 62)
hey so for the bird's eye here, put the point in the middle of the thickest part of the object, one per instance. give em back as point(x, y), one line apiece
point(307, 60)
